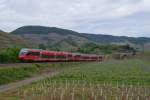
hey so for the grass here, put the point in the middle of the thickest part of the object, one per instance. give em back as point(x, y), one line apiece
point(144, 55)
point(126, 71)
point(12, 74)
point(109, 80)
point(8, 75)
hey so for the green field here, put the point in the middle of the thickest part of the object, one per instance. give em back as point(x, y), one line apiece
point(127, 71)
point(108, 80)
point(16, 72)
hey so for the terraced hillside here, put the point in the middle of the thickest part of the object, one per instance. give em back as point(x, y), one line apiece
point(9, 40)
point(52, 37)
point(63, 39)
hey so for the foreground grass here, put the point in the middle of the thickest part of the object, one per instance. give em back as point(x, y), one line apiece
point(127, 71)
point(109, 80)
point(12, 74)
point(8, 75)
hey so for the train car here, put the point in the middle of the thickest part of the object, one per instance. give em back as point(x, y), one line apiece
point(47, 56)
point(29, 55)
point(44, 55)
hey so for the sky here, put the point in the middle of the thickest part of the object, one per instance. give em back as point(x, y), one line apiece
point(114, 17)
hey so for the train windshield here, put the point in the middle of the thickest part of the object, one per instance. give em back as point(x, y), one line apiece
point(23, 52)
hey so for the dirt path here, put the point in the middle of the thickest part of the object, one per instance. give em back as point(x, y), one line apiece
point(14, 85)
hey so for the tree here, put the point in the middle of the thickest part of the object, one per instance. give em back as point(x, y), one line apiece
point(42, 46)
point(9, 54)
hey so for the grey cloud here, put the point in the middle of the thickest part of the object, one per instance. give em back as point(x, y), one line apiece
point(81, 15)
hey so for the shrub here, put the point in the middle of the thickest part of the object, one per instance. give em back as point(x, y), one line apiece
point(9, 55)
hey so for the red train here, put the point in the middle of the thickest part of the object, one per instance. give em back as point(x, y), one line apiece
point(44, 55)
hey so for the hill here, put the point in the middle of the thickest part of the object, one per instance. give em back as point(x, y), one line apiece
point(1, 31)
point(116, 39)
point(63, 39)
point(52, 37)
point(44, 30)
point(9, 40)
point(147, 46)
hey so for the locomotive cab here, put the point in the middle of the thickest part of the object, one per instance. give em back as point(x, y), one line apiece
point(22, 53)
point(29, 55)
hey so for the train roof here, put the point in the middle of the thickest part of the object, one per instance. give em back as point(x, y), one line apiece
point(38, 50)
point(84, 54)
point(27, 49)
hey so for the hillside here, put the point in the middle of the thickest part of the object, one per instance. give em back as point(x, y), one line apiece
point(44, 30)
point(1, 31)
point(52, 37)
point(9, 40)
point(70, 40)
point(116, 39)
point(147, 46)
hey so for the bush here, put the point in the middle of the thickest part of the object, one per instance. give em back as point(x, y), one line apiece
point(9, 55)
point(8, 75)
point(105, 48)
point(42, 46)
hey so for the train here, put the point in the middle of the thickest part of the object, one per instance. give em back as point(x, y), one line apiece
point(39, 55)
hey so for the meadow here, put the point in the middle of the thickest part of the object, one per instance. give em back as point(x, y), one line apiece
point(15, 72)
point(109, 80)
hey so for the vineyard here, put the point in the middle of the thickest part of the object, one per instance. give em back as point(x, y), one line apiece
point(111, 80)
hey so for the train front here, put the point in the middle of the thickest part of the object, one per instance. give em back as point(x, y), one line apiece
point(22, 54)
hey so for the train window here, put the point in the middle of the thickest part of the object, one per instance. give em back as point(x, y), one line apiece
point(85, 57)
point(77, 56)
point(60, 56)
point(22, 53)
point(33, 53)
point(69, 55)
point(47, 56)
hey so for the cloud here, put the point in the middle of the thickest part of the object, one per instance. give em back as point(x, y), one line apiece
point(117, 17)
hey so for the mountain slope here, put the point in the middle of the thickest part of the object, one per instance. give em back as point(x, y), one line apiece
point(9, 40)
point(1, 31)
point(56, 37)
point(112, 39)
point(147, 46)
point(44, 30)
point(52, 37)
